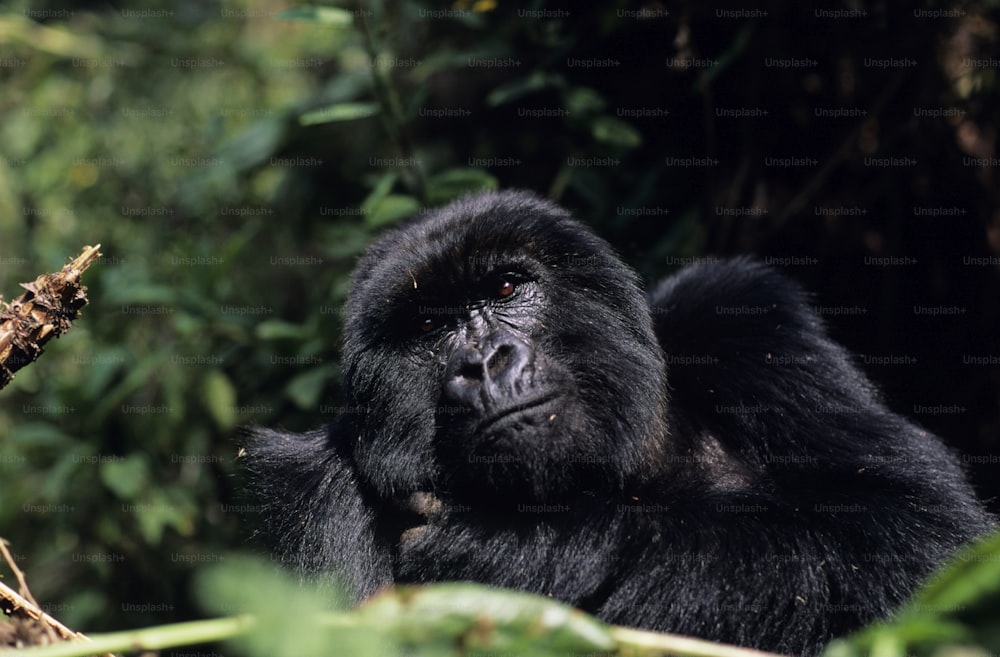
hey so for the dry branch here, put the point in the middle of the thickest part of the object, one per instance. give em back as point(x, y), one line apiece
point(45, 310)
point(27, 625)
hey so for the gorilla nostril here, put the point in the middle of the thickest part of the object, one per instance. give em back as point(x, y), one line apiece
point(500, 361)
point(497, 371)
point(472, 370)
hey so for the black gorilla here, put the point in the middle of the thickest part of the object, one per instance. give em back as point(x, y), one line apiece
point(703, 461)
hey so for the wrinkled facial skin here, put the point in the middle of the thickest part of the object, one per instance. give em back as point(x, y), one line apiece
point(480, 337)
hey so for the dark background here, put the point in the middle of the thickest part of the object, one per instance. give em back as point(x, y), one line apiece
point(852, 144)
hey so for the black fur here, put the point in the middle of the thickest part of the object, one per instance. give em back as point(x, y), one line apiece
point(530, 440)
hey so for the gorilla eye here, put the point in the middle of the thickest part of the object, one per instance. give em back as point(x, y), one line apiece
point(426, 325)
point(505, 284)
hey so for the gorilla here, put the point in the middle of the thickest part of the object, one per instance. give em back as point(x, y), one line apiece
point(703, 460)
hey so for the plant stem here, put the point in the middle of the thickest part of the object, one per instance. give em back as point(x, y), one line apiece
point(150, 638)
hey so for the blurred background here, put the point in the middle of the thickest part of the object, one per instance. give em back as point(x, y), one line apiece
point(235, 158)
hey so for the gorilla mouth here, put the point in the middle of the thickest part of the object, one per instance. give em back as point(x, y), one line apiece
point(535, 412)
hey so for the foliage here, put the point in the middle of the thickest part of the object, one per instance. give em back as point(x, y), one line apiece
point(269, 614)
point(954, 613)
point(437, 621)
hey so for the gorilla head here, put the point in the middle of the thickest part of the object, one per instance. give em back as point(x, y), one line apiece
point(492, 348)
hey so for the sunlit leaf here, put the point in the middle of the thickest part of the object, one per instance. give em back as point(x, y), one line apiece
point(971, 575)
point(430, 619)
point(615, 132)
point(340, 112)
point(322, 15)
point(126, 477)
point(292, 628)
point(584, 100)
point(219, 398)
point(161, 512)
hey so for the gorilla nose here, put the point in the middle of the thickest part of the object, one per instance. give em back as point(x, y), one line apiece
point(477, 377)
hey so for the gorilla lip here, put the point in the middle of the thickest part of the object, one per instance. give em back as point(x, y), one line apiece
point(510, 415)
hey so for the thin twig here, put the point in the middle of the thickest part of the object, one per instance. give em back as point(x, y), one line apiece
point(22, 584)
point(24, 604)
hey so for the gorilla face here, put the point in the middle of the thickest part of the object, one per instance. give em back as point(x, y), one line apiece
point(492, 347)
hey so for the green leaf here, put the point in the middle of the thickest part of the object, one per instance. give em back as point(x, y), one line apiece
point(519, 88)
point(125, 477)
point(584, 100)
point(219, 397)
point(381, 189)
point(971, 577)
point(449, 185)
point(339, 112)
point(444, 58)
point(33, 435)
point(321, 15)
point(293, 628)
point(391, 209)
point(956, 607)
point(482, 619)
point(279, 329)
point(304, 390)
point(57, 483)
point(255, 144)
point(164, 511)
point(615, 132)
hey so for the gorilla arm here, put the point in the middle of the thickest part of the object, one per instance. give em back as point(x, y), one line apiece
point(314, 512)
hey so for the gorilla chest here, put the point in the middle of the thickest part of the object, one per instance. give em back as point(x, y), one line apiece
point(549, 552)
